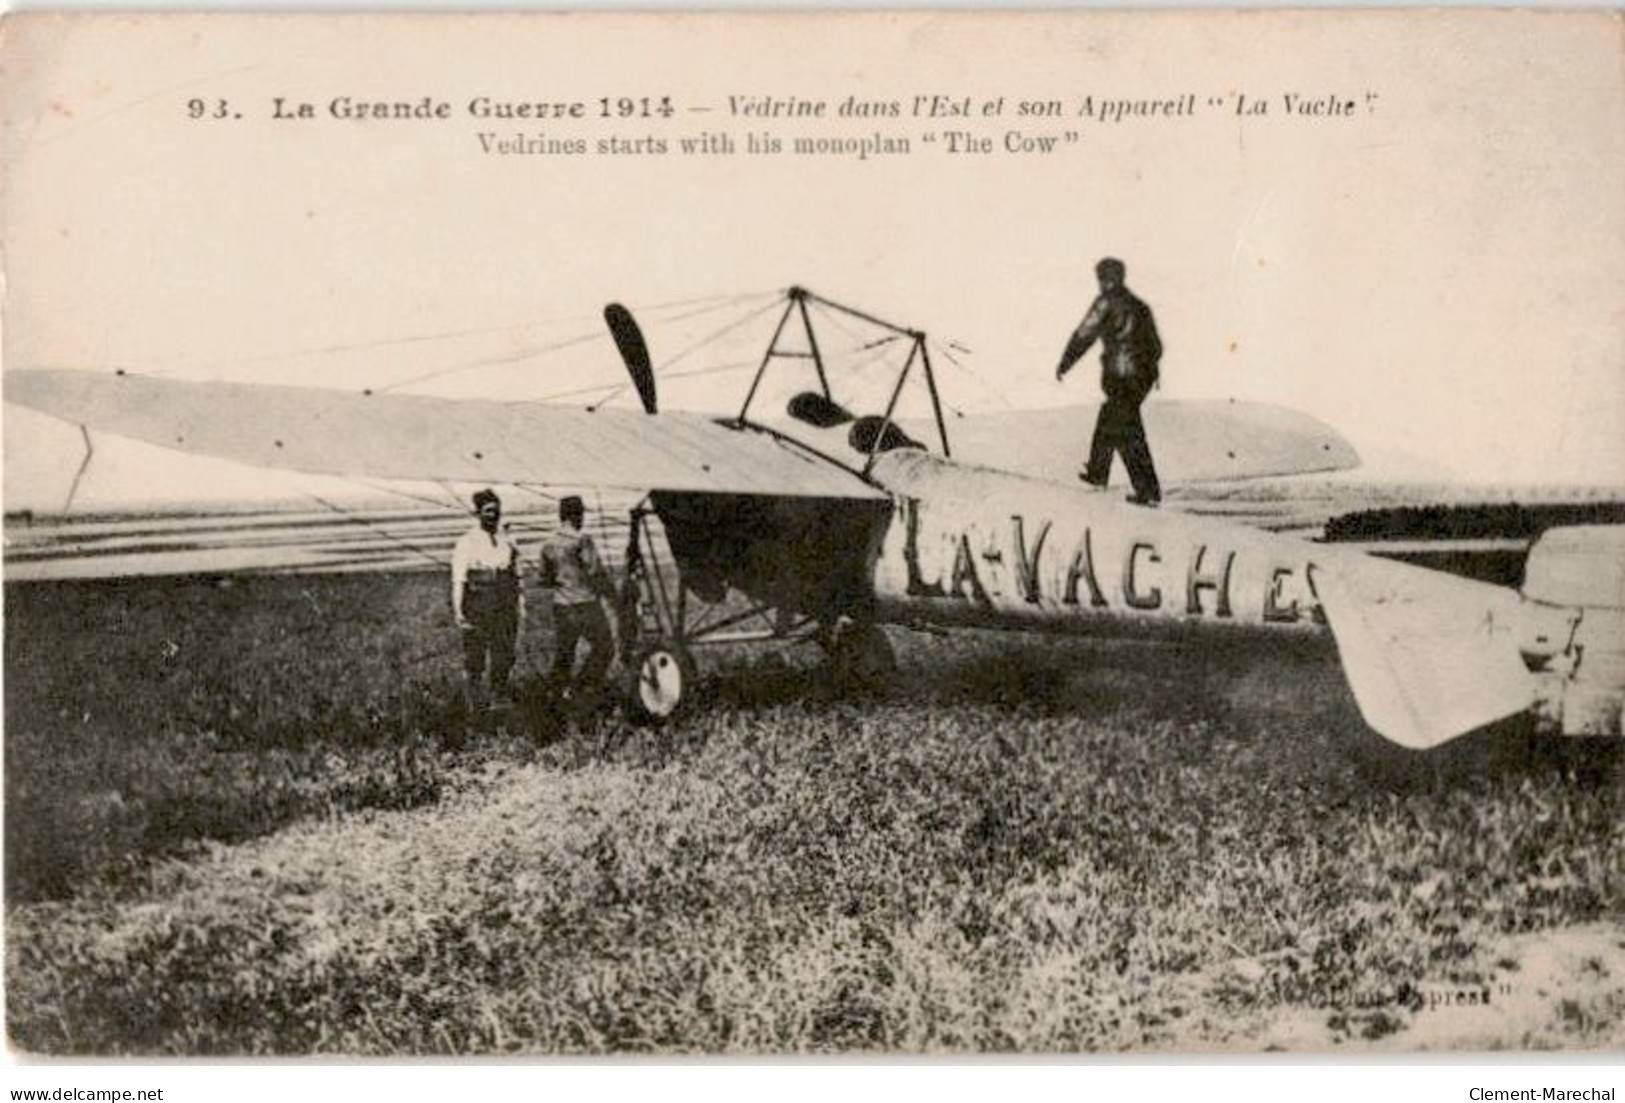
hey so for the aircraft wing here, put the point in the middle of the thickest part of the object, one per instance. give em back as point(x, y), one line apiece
point(390, 436)
point(1191, 440)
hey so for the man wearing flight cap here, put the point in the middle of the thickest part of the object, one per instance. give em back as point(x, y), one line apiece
point(487, 601)
point(573, 573)
point(1131, 350)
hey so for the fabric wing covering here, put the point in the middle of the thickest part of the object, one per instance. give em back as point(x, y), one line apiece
point(393, 436)
point(1192, 440)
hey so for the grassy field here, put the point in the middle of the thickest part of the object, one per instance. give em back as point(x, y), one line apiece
point(230, 829)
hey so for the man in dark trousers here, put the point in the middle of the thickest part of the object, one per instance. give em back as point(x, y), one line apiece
point(1128, 370)
point(487, 602)
point(576, 579)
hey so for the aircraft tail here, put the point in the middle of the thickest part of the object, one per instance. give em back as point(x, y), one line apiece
point(1429, 656)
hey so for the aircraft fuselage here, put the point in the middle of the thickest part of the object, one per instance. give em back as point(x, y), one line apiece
point(1428, 655)
point(972, 545)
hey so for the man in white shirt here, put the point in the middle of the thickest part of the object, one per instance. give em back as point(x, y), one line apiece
point(487, 601)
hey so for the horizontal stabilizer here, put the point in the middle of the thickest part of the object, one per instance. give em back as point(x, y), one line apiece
point(1429, 656)
point(392, 436)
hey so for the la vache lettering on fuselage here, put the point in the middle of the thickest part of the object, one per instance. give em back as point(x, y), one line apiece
point(981, 546)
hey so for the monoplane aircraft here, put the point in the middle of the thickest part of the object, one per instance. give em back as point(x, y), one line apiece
point(830, 522)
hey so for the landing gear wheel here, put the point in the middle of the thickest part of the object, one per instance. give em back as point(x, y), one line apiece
point(861, 654)
point(661, 677)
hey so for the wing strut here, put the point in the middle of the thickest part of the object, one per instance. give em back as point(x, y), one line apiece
point(90, 452)
point(794, 296)
point(812, 345)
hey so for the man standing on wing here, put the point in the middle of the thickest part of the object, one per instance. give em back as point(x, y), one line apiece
point(487, 601)
point(1128, 370)
point(573, 573)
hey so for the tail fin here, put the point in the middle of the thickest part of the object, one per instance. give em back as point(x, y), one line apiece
point(1429, 656)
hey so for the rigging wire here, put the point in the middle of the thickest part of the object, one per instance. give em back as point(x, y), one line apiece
point(385, 533)
point(383, 489)
point(532, 488)
point(509, 358)
point(704, 305)
point(877, 352)
point(717, 369)
point(946, 347)
point(542, 350)
point(737, 300)
point(721, 299)
point(650, 308)
point(456, 499)
point(860, 343)
point(716, 334)
point(383, 342)
point(856, 378)
point(616, 388)
point(974, 376)
point(592, 389)
point(835, 318)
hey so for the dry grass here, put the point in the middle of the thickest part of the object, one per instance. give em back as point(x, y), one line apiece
point(1025, 844)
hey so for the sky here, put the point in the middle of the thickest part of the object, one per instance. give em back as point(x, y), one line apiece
point(1435, 272)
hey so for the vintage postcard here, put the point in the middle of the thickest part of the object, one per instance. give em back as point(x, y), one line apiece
point(938, 533)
